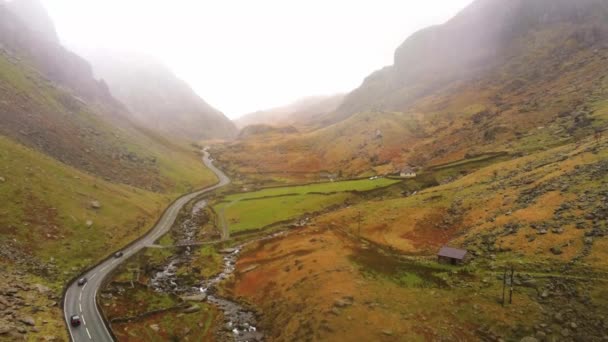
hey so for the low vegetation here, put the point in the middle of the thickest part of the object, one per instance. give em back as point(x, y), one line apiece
point(541, 214)
point(258, 209)
point(56, 220)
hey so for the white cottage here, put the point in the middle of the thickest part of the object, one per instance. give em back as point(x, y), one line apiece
point(408, 172)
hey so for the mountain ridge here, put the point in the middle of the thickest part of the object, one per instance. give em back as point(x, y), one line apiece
point(158, 99)
point(475, 40)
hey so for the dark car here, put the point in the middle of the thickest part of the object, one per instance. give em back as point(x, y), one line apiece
point(82, 281)
point(118, 254)
point(75, 320)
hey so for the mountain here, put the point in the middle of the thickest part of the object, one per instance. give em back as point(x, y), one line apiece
point(78, 178)
point(301, 112)
point(158, 99)
point(483, 37)
point(52, 102)
point(513, 77)
point(27, 32)
point(33, 13)
point(500, 110)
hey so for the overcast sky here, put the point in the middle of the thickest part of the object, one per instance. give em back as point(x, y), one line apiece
point(244, 55)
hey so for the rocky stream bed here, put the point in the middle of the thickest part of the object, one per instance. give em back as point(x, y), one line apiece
point(240, 324)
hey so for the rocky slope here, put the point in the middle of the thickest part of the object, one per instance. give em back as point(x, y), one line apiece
point(27, 32)
point(483, 37)
point(158, 99)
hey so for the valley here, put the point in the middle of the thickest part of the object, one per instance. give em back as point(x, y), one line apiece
point(458, 194)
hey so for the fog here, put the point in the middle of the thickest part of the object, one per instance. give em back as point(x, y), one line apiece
point(243, 56)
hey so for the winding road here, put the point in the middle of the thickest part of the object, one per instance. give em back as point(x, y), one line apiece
point(81, 300)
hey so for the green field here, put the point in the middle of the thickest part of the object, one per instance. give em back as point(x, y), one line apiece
point(324, 188)
point(258, 209)
point(258, 213)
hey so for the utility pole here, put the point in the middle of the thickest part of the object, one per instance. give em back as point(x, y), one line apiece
point(359, 220)
point(511, 288)
point(504, 284)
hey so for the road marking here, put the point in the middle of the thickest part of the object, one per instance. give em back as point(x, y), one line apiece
point(80, 297)
point(80, 305)
point(163, 228)
point(83, 321)
point(85, 285)
point(67, 319)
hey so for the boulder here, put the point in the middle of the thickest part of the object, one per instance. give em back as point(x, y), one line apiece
point(529, 339)
point(249, 268)
point(192, 309)
point(95, 205)
point(195, 298)
point(344, 302)
point(42, 289)
point(89, 223)
point(154, 327)
point(28, 320)
point(2, 179)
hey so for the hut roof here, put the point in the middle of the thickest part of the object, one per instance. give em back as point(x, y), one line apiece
point(453, 253)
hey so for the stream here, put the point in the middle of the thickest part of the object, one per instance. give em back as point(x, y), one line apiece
point(239, 321)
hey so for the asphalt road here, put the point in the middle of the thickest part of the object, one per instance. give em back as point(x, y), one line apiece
point(80, 300)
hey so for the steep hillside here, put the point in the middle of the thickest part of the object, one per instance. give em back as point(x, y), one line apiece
point(486, 35)
point(77, 178)
point(55, 221)
point(159, 100)
point(27, 31)
point(302, 112)
point(32, 12)
point(50, 101)
point(537, 80)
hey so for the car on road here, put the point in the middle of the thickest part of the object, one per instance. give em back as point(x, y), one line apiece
point(75, 320)
point(118, 254)
point(82, 281)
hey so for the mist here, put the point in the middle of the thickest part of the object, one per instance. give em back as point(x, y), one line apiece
point(243, 56)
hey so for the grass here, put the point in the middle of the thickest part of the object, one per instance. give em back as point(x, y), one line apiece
point(258, 209)
point(172, 326)
point(46, 205)
point(319, 188)
point(207, 262)
point(255, 214)
point(408, 273)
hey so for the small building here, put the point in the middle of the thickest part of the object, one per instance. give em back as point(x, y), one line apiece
point(449, 255)
point(407, 172)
